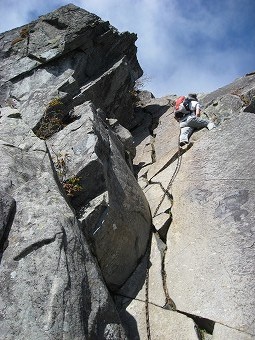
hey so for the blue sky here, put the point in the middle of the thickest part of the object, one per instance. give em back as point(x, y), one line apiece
point(183, 46)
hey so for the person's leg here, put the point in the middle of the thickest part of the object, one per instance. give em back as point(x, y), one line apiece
point(197, 122)
point(185, 134)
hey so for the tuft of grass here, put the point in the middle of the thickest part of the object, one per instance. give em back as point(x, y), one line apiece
point(245, 99)
point(23, 34)
point(138, 87)
point(52, 120)
point(55, 102)
point(72, 186)
point(48, 126)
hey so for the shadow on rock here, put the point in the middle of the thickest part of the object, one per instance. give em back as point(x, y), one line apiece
point(129, 293)
point(149, 120)
point(7, 213)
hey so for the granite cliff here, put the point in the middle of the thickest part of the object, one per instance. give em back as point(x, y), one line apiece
point(109, 230)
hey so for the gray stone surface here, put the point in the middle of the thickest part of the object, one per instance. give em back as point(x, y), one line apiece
point(221, 332)
point(202, 257)
point(124, 229)
point(230, 100)
point(164, 324)
point(212, 235)
point(210, 243)
point(72, 54)
point(52, 285)
point(54, 288)
point(97, 157)
point(243, 88)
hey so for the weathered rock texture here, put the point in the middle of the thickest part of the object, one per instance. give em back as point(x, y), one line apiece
point(85, 160)
point(52, 287)
point(74, 221)
point(69, 53)
point(202, 257)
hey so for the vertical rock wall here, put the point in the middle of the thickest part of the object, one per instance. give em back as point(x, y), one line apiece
point(201, 266)
point(74, 220)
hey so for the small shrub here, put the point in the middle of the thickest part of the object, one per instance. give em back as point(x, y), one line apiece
point(52, 120)
point(72, 186)
point(141, 82)
point(61, 161)
point(48, 126)
point(134, 96)
point(54, 102)
point(23, 34)
point(138, 87)
point(245, 99)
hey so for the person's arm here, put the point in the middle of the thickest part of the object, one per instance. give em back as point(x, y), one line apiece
point(198, 110)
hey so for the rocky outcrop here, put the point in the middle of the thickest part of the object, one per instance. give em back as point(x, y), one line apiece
point(71, 54)
point(53, 287)
point(203, 207)
point(94, 154)
point(75, 222)
point(85, 161)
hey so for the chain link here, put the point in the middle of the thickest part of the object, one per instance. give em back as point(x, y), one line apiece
point(169, 302)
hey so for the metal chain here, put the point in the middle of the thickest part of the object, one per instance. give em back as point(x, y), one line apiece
point(169, 302)
point(177, 168)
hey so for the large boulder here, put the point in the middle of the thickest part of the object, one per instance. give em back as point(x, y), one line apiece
point(74, 221)
point(96, 156)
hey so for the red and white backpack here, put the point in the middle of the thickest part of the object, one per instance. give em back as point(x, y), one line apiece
point(182, 107)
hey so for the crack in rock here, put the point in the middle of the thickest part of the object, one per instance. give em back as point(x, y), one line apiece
point(32, 247)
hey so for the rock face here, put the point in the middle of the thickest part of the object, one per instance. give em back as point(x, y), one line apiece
point(202, 201)
point(53, 288)
point(85, 162)
point(71, 54)
point(75, 222)
point(210, 185)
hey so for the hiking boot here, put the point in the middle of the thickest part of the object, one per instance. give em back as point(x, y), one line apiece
point(211, 126)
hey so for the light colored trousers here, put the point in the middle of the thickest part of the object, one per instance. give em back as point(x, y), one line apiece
point(189, 125)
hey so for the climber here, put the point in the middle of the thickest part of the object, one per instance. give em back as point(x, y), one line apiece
point(190, 120)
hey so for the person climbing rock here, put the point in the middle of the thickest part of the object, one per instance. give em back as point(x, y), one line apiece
point(187, 113)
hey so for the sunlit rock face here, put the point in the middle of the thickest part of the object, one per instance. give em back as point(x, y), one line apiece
point(90, 167)
point(73, 54)
point(205, 219)
point(75, 222)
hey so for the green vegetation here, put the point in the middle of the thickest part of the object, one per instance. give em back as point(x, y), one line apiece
point(246, 100)
point(55, 104)
point(48, 126)
point(71, 185)
point(52, 120)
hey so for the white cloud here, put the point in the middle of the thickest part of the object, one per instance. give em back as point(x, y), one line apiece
point(182, 46)
point(15, 13)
